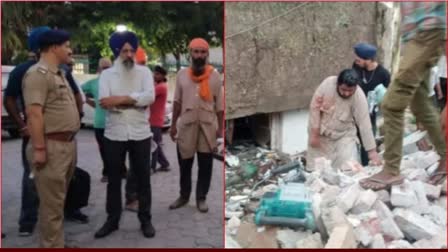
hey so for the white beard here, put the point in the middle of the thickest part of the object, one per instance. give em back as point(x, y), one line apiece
point(127, 75)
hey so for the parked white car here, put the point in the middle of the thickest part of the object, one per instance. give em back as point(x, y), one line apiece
point(7, 123)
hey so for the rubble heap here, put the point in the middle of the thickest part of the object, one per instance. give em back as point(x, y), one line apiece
point(410, 215)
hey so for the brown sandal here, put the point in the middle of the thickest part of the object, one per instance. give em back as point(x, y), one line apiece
point(383, 184)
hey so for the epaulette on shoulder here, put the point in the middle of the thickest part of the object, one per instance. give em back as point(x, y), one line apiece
point(42, 69)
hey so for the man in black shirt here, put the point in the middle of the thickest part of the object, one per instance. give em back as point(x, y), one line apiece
point(372, 75)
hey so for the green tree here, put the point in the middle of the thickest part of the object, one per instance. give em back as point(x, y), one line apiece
point(162, 27)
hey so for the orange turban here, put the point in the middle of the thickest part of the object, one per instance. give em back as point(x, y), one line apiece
point(140, 55)
point(198, 43)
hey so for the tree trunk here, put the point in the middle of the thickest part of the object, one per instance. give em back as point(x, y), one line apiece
point(177, 57)
point(163, 59)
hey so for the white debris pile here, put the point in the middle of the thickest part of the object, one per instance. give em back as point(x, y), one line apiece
point(409, 215)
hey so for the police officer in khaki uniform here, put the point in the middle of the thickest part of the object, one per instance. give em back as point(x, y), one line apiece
point(53, 121)
point(197, 122)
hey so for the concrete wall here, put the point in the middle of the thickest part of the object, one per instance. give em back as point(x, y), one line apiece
point(278, 53)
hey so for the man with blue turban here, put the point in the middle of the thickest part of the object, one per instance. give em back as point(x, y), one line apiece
point(125, 92)
point(373, 77)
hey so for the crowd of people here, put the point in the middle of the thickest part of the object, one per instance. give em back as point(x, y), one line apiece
point(129, 101)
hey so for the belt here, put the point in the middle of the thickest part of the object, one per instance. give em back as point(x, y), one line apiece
point(66, 136)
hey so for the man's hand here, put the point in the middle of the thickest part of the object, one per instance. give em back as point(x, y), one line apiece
point(39, 158)
point(315, 141)
point(24, 132)
point(111, 101)
point(219, 133)
point(374, 157)
point(91, 102)
point(173, 133)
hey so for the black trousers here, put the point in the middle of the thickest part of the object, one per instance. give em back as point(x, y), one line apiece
point(158, 155)
point(205, 165)
point(115, 157)
point(99, 135)
point(442, 102)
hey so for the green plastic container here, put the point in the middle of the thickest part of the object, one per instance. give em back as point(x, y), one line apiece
point(290, 206)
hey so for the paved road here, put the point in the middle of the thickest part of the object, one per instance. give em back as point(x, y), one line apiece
point(181, 228)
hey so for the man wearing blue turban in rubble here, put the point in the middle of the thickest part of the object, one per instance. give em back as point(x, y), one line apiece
point(125, 92)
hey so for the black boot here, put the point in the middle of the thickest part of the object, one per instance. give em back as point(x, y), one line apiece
point(107, 229)
point(148, 229)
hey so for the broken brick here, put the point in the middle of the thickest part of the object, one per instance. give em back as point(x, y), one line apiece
point(378, 242)
point(399, 244)
point(384, 196)
point(342, 237)
point(364, 202)
point(332, 216)
point(428, 159)
point(311, 241)
point(363, 235)
point(288, 238)
point(437, 214)
point(330, 176)
point(403, 195)
point(432, 191)
point(387, 222)
point(347, 199)
point(422, 204)
point(248, 237)
point(415, 226)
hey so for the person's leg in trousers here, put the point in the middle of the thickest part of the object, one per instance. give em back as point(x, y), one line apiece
point(156, 137)
point(185, 166)
point(205, 167)
point(362, 151)
point(131, 190)
point(138, 155)
point(115, 157)
point(52, 183)
point(99, 135)
point(419, 55)
point(30, 200)
point(158, 155)
point(442, 102)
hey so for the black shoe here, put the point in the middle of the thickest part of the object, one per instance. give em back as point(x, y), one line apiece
point(3, 235)
point(180, 202)
point(106, 229)
point(202, 206)
point(77, 217)
point(25, 231)
point(164, 169)
point(148, 230)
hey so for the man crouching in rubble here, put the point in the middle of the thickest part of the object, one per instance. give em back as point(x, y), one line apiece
point(337, 107)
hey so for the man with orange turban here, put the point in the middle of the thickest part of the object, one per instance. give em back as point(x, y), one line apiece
point(197, 122)
point(140, 56)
